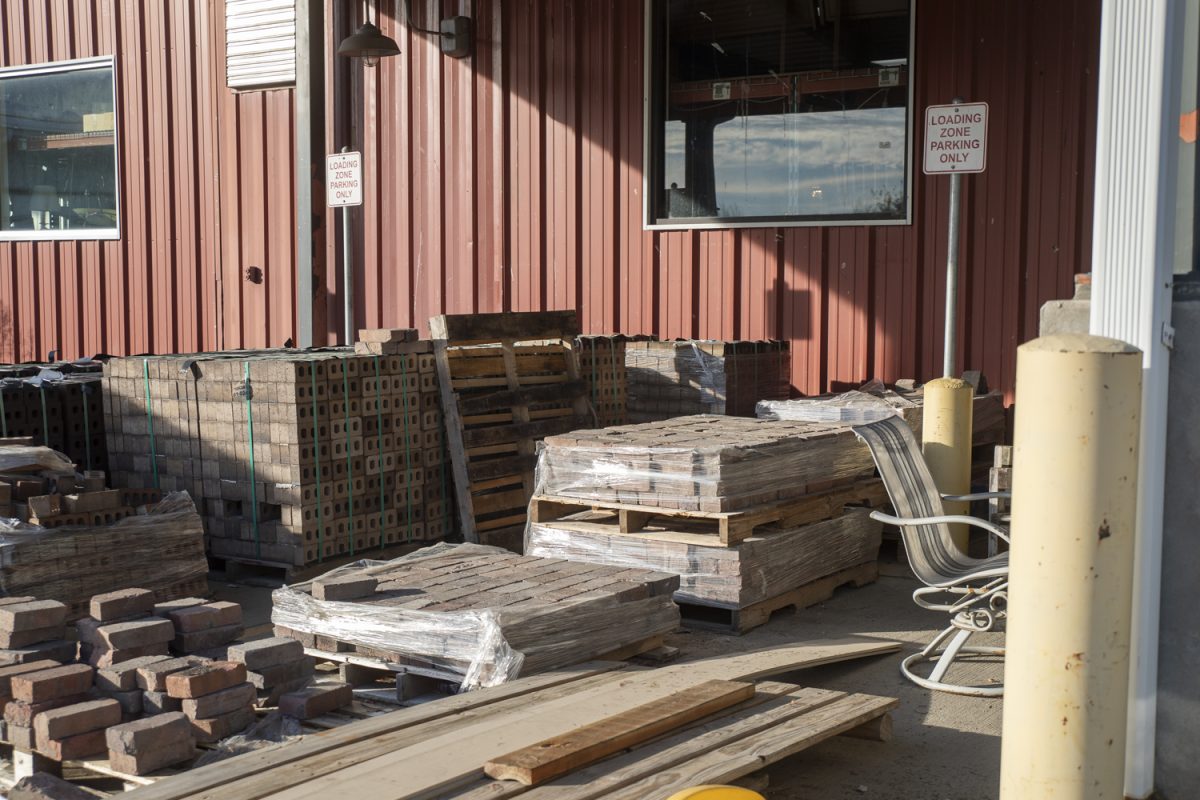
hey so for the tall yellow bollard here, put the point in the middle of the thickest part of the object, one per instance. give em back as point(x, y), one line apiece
point(1070, 591)
point(946, 442)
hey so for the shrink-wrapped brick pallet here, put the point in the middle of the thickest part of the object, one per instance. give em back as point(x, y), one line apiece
point(694, 376)
point(478, 615)
point(292, 456)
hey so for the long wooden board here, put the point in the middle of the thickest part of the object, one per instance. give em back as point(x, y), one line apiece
point(585, 745)
point(443, 762)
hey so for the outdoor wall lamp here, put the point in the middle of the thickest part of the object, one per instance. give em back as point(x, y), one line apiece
point(370, 44)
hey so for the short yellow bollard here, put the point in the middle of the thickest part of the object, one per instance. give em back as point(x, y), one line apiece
point(716, 793)
point(946, 443)
point(1075, 466)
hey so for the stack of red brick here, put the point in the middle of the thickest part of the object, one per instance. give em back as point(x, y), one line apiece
point(274, 667)
point(33, 630)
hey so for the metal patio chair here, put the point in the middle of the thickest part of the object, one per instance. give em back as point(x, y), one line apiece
point(973, 591)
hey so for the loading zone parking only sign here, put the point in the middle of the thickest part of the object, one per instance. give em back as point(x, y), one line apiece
point(343, 173)
point(956, 138)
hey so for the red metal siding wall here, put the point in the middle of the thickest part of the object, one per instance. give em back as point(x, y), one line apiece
point(206, 182)
point(514, 181)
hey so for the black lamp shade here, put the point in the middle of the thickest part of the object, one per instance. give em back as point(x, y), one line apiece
point(368, 42)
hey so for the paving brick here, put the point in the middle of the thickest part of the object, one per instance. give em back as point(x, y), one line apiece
point(32, 615)
point(21, 714)
point(131, 702)
point(216, 728)
point(145, 763)
point(159, 703)
point(164, 609)
point(12, 640)
point(8, 601)
point(153, 677)
point(266, 652)
point(123, 677)
point(348, 588)
point(21, 737)
point(269, 677)
point(73, 747)
point(207, 679)
point(125, 635)
point(219, 703)
point(44, 786)
point(61, 651)
point(6, 673)
point(48, 684)
point(60, 723)
point(122, 604)
point(316, 700)
point(205, 639)
point(210, 615)
point(149, 734)
point(270, 697)
point(104, 657)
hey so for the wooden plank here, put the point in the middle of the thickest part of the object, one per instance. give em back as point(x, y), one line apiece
point(454, 442)
point(224, 773)
point(772, 704)
point(494, 401)
point(527, 430)
point(752, 753)
point(585, 745)
point(439, 763)
point(499, 501)
point(517, 326)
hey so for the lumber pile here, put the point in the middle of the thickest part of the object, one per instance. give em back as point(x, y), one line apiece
point(478, 615)
point(595, 731)
point(507, 381)
point(701, 463)
point(57, 405)
point(683, 377)
point(292, 456)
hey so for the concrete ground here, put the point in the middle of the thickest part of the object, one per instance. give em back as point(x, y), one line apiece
point(946, 747)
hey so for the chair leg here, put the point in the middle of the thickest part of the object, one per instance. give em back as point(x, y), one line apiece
point(944, 657)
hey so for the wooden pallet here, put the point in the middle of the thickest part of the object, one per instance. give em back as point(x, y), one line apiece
point(241, 569)
point(730, 527)
point(507, 381)
point(740, 620)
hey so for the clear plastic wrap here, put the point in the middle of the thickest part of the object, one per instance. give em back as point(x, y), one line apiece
point(485, 645)
point(700, 463)
point(275, 728)
point(161, 550)
point(848, 408)
point(19, 458)
point(728, 577)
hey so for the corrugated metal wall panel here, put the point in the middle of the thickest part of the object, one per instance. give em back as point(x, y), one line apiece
point(558, 100)
point(197, 163)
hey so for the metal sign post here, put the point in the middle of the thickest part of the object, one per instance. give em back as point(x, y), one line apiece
point(344, 174)
point(955, 142)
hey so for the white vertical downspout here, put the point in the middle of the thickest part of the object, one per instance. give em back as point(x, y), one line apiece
point(1131, 296)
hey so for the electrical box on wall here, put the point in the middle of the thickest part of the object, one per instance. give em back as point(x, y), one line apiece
point(456, 36)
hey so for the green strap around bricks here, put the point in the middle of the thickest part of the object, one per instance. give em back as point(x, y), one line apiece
point(349, 461)
point(253, 474)
point(3, 416)
point(150, 420)
point(379, 445)
point(317, 461)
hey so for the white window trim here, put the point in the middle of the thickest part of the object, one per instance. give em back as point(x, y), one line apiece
point(650, 223)
point(80, 234)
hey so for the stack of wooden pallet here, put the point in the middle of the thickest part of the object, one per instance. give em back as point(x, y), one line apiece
point(84, 539)
point(599, 730)
point(690, 376)
point(478, 615)
point(507, 381)
point(754, 516)
point(59, 405)
point(292, 456)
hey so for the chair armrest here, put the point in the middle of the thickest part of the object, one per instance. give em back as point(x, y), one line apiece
point(888, 519)
point(977, 496)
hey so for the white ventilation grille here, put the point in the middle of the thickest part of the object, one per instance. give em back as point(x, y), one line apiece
point(260, 43)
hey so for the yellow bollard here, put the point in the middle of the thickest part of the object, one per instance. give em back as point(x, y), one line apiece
point(1071, 581)
point(946, 443)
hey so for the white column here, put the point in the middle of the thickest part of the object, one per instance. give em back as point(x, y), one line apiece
point(1131, 294)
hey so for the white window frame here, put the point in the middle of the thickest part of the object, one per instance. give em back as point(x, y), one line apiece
point(651, 223)
point(75, 234)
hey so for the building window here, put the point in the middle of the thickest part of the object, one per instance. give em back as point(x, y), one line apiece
point(260, 43)
point(58, 163)
point(772, 113)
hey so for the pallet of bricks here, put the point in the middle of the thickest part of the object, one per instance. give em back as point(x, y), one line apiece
point(682, 377)
point(149, 682)
point(507, 381)
point(58, 405)
point(475, 615)
point(753, 515)
point(65, 535)
point(603, 370)
point(294, 457)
